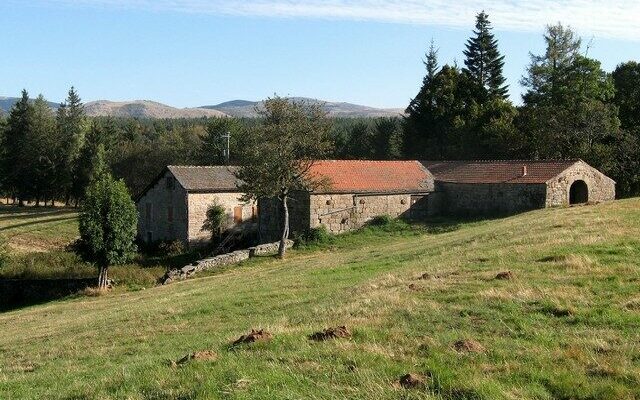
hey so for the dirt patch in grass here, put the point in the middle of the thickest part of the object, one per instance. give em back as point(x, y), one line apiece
point(415, 287)
point(331, 333)
point(427, 275)
point(252, 337)
point(468, 346)
point(571, 261)
point(412, 381)
point(205, 355)
point(505, 275)
point(633, 304)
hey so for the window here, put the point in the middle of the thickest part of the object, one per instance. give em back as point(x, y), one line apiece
point(254, 213)
point(148, 213)
point(170, 182)
point(170, 214)
point(149, 237)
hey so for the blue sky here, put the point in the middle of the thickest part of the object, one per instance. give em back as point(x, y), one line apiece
point(189, 53)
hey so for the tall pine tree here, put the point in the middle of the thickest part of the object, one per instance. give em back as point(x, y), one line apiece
point(15, 163)
point(70, 125)
point(418, 124)
point(483, 62)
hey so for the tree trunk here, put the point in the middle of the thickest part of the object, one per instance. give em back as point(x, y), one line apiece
point(102, 278)
point(285, 228)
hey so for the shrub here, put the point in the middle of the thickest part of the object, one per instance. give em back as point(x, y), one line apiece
point(380, 220)
point(314, 237)
point(172, 249)
point(216, 219)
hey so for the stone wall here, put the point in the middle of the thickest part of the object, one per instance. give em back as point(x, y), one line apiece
point(468, 199)
point(270, 216)
point(600, 186)
point(155, 207)
point(341, 212)
point(344, 212)
point(222, 260)
point(199, 203)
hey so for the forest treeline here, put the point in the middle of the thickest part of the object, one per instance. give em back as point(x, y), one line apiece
point(572, 108)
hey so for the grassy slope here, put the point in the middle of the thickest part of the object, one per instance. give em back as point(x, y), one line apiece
point(37, 237)
point(31, 229)
point(567, 327)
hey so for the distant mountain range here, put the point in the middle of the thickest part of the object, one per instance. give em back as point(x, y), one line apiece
point(247, 109)
point(145, 109)
point(235, 108)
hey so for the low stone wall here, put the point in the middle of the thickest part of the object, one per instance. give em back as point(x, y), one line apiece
point(211, 263)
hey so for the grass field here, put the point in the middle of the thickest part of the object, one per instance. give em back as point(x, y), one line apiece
point(566, 326)
point(38, 240)
point(38, 229)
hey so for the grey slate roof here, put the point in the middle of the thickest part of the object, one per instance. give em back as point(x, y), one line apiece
point(206, 178)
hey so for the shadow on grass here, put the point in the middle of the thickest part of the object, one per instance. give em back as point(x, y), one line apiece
point(15, 212)
point(38, 222)
point(20, 293)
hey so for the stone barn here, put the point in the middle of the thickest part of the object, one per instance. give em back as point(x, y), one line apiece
point(507, 187)
point(356, 191)
point(174, 205)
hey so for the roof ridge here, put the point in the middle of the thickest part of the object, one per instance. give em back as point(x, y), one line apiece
point(511, 160)
point(201, 166)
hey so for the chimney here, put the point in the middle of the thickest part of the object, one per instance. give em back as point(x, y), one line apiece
point(524, 170)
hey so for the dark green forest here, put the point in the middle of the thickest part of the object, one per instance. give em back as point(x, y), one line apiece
point(572, 108)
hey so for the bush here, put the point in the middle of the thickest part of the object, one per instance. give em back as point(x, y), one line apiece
point(216, 219)
point(314, 237)
point(172, 249)
point(381, 220)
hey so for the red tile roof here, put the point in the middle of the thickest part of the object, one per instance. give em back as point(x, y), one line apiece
point(363, 176)
point(506, 171)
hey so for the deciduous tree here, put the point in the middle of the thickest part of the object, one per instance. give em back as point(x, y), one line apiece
point(108, 224)
point(278, 154)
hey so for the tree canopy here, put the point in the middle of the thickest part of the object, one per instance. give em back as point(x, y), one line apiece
point(278, 154)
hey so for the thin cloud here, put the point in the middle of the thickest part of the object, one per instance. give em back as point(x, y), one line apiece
point(612, 19)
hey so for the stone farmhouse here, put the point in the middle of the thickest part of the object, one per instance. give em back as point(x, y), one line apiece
point(173, 207)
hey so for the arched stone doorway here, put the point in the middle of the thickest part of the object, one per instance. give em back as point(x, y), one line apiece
point(578, 193)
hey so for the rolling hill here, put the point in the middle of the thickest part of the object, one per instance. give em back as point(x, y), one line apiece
point(247, 109)
point(434, 301)
point(7, 102)
point(234, 108)
point(145, 109)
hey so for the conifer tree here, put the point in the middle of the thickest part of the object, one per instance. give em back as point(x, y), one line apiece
point(40, 158)
point(15, 163)
point(483, 63)
point(418, 124)
point(549, 75)
point(70, 124)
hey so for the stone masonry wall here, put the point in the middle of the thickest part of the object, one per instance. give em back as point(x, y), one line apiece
point(199, 203)
point(270, 216)
point(600, 186)
point(343, 212)
point(220, 261)
point(487, 199)
point(153, 212)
